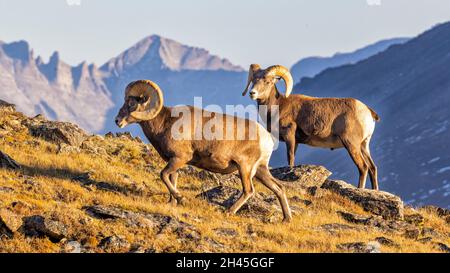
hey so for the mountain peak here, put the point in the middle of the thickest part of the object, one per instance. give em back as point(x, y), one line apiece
point(156, 52)
point(55, 58)
point(18, 50)
point(54, 68)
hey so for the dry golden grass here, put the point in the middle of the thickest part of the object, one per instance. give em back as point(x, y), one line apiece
point(55, 195)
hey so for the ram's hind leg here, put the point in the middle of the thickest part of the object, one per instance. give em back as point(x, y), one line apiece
point(263, 174)
point(365, 150)
point(248, 190)
point(354, 150)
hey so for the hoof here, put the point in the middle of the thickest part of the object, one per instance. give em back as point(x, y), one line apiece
point(229, 212)
point(180, 200)
point(173, 201)
point(287, 220)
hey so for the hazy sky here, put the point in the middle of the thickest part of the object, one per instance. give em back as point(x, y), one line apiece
point(244, 31)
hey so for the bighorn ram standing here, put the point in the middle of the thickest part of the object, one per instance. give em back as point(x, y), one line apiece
point(319, 122)
point(144, 105)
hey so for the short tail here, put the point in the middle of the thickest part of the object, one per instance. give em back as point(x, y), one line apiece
point(375, 116)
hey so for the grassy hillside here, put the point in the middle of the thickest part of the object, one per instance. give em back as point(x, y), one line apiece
point(63, 183)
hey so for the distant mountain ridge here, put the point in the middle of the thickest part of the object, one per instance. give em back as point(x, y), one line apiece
point(90, 96)
point(311, 66)
point(56, 89)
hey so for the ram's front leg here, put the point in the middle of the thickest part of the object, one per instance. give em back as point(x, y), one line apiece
point(291, 145)
point(174, 180)
point(170, 169)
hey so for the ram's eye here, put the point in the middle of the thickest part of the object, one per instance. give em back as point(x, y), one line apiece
point(131, 103)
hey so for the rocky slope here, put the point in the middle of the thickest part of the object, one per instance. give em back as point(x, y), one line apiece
point(63, 190)
point(408, 85)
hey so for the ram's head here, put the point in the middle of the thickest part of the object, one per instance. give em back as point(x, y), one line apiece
point(143, 101)
point(263, 81)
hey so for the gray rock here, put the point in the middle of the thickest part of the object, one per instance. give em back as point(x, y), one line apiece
point(84, 178)
point(57, 132)
point(137, 249)
point(126, 135)
point(109, 135)
point(443, 213)
point(88, 182)
point(443, 247)
point(380, 203)
point(412, 233)
point(256, 207)
point(211, 179)
point(7, 106)
point(7, 162)
point(102, 212)
point(64, 148)
point(72, 247)
point(160, 223)
point(312, 190)
point(355, 218)
point(150, 250)
point(304, 176)
point(360, 247)
point(297, 199)
point(393, 226)
point(114, 244)
point(336, 228)
point(212, 246)
point(6, 189)
point(414, 219)
point(386, 241)
point(39, 226)
point(91, 146)
point(9, 223)
point(425, 240)
point(373, 247)
point(226, 232)
point(427, 231)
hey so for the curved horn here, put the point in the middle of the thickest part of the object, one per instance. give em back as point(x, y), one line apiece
point(152, 95)
point(251, 72)
point(283, 72)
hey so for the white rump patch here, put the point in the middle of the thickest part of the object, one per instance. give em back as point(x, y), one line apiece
point(266, 144)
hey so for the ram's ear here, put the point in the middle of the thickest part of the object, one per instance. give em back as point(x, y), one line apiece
point(277, 94)
point(254, 68)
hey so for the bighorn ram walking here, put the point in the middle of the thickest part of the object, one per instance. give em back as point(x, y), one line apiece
point(144, 105)
point(319, 122)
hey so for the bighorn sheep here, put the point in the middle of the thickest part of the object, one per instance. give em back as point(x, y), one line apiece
point(319, 122)
point(144, 105)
